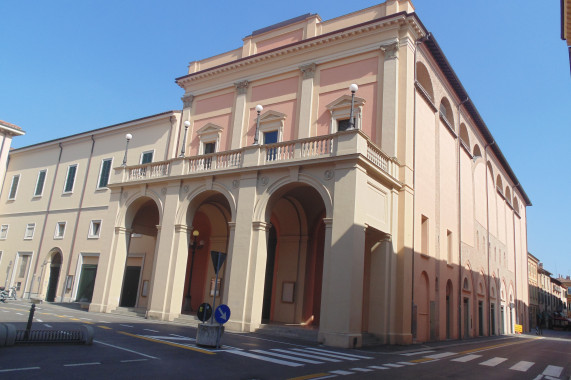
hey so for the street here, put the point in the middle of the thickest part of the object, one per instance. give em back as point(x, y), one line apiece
point(132, 347)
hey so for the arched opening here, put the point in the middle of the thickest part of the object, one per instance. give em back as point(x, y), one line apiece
point(508, 194)
point(294, 264)
point(499, 184)
point(208, 216)
point(423, 79)
point(141, 246)
point(477, 153)
point(55, 269)
point(446, 112)
point(464, 135)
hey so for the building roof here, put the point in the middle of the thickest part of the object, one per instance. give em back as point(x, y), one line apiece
point(11, 128)
point(566, 25)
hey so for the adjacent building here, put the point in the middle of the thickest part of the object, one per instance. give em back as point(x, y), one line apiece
point(341, 166)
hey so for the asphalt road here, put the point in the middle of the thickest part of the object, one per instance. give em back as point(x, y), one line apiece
point(129, 347)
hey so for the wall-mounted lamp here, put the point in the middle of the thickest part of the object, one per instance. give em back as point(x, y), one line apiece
point(259, 109)
point(128, 137)
point(353, 88)
point(182, 148)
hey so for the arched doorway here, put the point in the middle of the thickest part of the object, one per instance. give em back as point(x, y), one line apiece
point(208, 216)
point(141, 244)
point(294, 264)
point(55, 268)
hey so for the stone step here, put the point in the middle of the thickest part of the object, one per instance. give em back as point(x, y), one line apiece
point(297, 332)
point(131, 311)
point(188, 320)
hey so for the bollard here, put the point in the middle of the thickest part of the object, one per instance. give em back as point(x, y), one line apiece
point(30, 319)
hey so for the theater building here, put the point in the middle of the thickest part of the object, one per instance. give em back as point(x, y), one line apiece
point(383, 211)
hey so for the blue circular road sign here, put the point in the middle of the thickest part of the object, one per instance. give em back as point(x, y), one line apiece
point(222, 314)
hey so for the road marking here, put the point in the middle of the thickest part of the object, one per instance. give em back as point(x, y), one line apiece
point(441, 355)
point(180, 336)
point(151, 330)
point(406, 363)
point(125, 325)
point(168, 343)
point(497, 346)
point(48, 326)
point(377, 367)
point(18, 369)
point(553, 371)
point(339, 353)
point(265, 358)
point(423, 360)
point(86, 319)
point(39, 320)
point(393, 365)
point(361, 369)
point(125, 349)
point(418, 353)
point(493, 362)
point(467, 358)
point(68, 316)
point(314, 376)
point(19, 313)
point(80, 364)
point(341, 372)
point(307, 355)
point(105, 327)
point(287, 357)
point(133, 360)
point(522, 366)
point(169, 337)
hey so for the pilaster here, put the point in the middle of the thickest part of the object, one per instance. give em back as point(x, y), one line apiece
point(306, 101)
point(239, 113)
point(389, 122)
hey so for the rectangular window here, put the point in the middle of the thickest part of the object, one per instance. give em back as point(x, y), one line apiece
point(3, 231)
point(40, 183)
point(424, 235)
point(60, 230)
point(147, 157)
point(271, 137)
point(104, 173)
point(23, 266)
point(343, 125)
point(449, 243)
point(29, 234)
point(94, 229)
point(14, 186)
point(209, 147)
point(70, 178)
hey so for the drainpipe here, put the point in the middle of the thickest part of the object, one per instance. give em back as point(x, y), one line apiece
point(417, 44)
point(459, 168)
point(515, 267)
point(44, 225)
point(488, 226)
point(73, 239)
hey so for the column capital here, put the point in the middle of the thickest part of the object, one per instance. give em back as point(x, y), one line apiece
point(232, 226)
point(119, 230)
point(178, 228)
point(261, 226)
point(328, 222)
point(187, 101)
point(242, 87)
point(308, 71)
point(391, 50)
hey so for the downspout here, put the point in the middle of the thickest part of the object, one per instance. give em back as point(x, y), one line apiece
point(417, 43)
point(44, 226)
point(5, 136)
point(488, 226)
point(515, 266)
point(459, 168)
point(77, 218)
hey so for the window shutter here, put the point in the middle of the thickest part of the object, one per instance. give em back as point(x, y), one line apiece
point(14, 188)
point(70, 178)
point(40, 184)
point(105, 171)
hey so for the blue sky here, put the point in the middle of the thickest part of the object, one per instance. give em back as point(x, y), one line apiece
point(71, 66)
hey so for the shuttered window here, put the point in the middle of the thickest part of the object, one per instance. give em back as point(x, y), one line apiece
point(104, 173)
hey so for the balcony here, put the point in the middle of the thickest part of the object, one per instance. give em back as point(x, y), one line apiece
point(347, 143)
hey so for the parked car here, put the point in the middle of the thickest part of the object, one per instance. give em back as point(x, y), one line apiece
point(561, 321)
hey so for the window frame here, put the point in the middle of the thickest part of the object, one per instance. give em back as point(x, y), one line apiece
point(152, 152)
point(4, 231)
point(41, 193)
point(67, 179)
point(103, 161)
point(340, 109)
point(13, 193)
point(90, 234)
point(56, 235)
point(30, 227)
point(209, 133)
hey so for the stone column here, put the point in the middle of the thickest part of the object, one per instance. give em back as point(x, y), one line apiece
point(389, 122)
point(240, 114)
point(306, 100)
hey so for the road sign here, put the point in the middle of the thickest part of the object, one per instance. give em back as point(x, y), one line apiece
point(217, 260)
point(222, 314)
point(204, 312)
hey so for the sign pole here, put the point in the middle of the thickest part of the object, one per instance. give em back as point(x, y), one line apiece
point(215, 290)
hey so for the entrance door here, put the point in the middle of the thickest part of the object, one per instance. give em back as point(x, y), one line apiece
point(86, 283)
point(130, 287)
point(52, 284)
point(466, 319)
point(480, 318)
point(493, 318)
point(502, 327)
point(448, 317)
point(269, 279)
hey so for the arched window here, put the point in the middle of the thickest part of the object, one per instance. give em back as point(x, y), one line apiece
point(466, 285)
point(423, 79)
point(464, 135)
point(477, 152)
point(499, 184)
point(446, 112)
point(507, 193)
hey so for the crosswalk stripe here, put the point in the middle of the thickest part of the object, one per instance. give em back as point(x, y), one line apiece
point(265, 358)
point(552, 370)
point(311, 356)
point(522, 366)
point(287, 357)
point(406, 363)
point(393, 365)
point(418, 353)
point(340, 372)
point(377, 367)
point(361, 369)
point(466, 358)
point(441, 355)
point(493, 362)
point(324, 353)
point(339, 353)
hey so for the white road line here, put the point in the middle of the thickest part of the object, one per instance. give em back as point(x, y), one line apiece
point(125, 325)
point(125, 349)
point(377, 367)
point(180, 336)
point(19, 313)
point(406, 363)
point(133, 360)
point(48, 326)
point(18, 369)
point(418, 353)
point(361, 369)
point(311, 356)
point(522, 366)
point(86, 319)
point(69, 316)
point(441, 355)
point(324, 353)
point(169, 337)
point(466, 358)
point(287, 357)
point(339, 353)
point(493, 362)
point(151, 330)
point(265, 358)
point(553, 371)
point(39, 320)
point(393, 365)
point(102, 322)
point(80, 364)
point(340, 372)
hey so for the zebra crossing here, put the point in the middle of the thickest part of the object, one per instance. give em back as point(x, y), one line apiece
point(297, 357)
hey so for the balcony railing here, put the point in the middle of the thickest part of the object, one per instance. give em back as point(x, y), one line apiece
point(339, 144)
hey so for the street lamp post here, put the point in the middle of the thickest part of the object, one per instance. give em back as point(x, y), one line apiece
point(194, 245)
point(183, 145)
point(259, 109)
point(353, 88)
point(128, 137)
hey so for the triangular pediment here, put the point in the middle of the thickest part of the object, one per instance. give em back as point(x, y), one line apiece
point(209, 128)
point(270, 116)
point(345, 102)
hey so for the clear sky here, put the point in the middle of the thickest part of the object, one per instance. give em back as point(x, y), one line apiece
point(71, 66)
